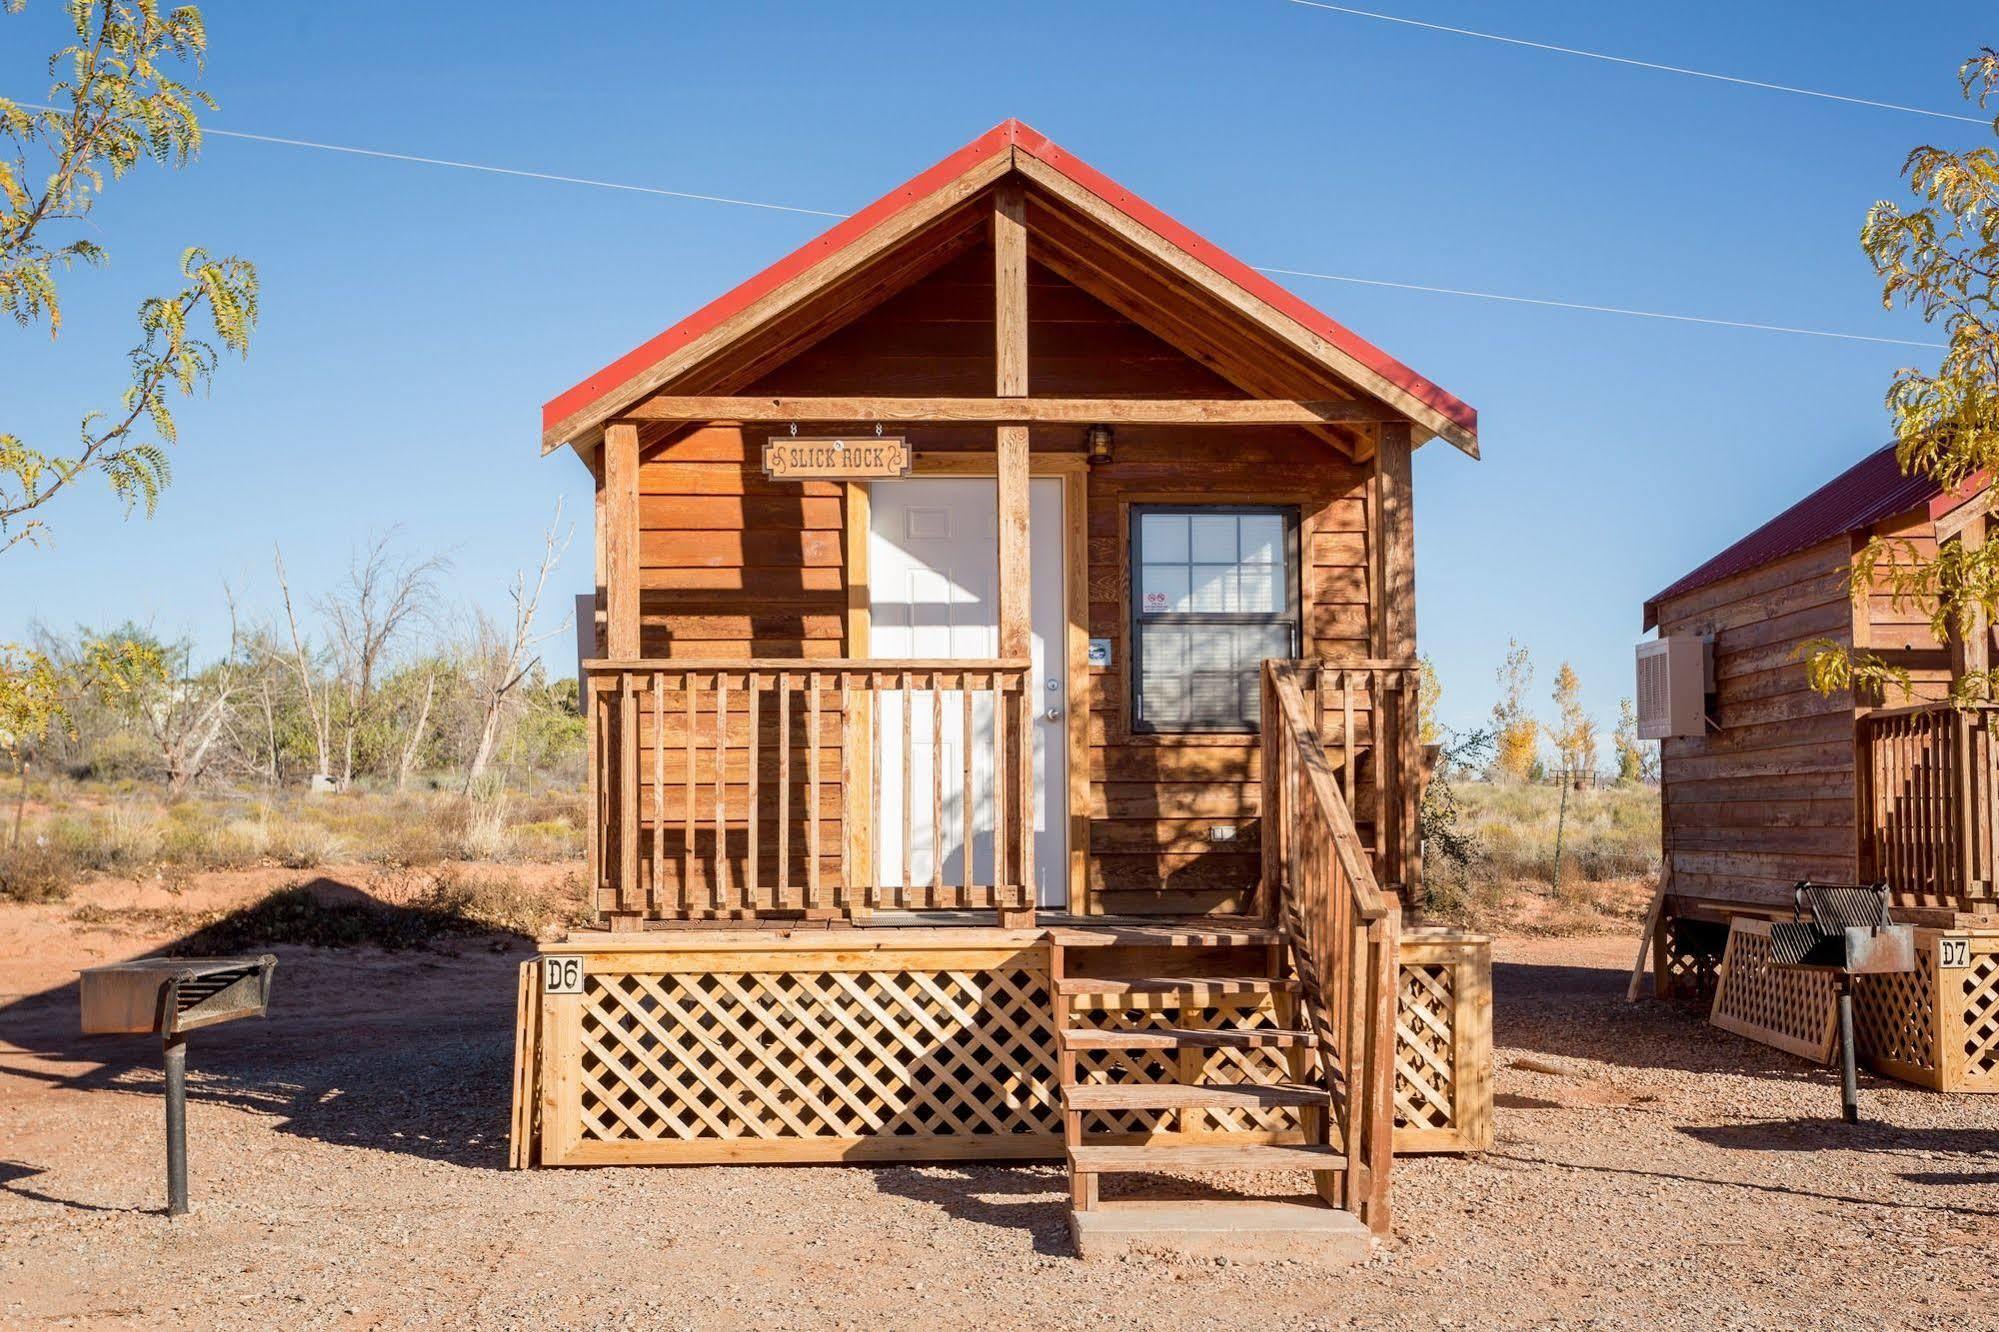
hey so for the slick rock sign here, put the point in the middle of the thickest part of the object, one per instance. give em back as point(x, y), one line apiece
point(824, 458)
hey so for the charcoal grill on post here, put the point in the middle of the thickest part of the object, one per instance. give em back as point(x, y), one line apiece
point(173, 996)
point(1849, 934)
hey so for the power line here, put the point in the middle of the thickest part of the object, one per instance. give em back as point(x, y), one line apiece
point(1637, 64)
point(1606, 309)
point(494, 170)
point(820, 212)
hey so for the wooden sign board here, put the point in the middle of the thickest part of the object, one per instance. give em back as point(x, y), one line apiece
point(825, 458)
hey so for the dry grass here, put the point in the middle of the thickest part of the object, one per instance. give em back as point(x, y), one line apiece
point(1610, 860)
point(75, 830)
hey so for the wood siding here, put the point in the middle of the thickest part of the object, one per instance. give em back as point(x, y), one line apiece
point(732, 565)
point(1768, 798)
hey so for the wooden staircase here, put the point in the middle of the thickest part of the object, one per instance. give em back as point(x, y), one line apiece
point(1170, 1041)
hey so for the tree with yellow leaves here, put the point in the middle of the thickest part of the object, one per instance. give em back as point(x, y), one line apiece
point(1429, 689)
point(1516, 735)
point(1574, 732)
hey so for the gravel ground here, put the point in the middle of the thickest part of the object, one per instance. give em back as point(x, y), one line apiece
point(347, 1162)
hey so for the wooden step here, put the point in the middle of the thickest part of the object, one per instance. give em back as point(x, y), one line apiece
point(1190, 1096)
point(1240, 1231)
point(1164, 936)
point(1190, 987)
point(1255, 1156)
point(1187, 1038)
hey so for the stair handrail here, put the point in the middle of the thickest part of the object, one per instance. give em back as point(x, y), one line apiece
point(1320, 887)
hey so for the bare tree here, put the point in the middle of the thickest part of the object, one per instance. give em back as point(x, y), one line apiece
point(317, 709)
point(384, 595)
point(418, 729)
point(187, 713)
point(506, 659)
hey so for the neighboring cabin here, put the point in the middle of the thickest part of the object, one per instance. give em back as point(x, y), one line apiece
point(1776, 782)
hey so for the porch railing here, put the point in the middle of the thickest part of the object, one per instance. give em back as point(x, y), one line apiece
point(736, 789)
point(1344, 930)
point(1366, 716)
point(1928, 798)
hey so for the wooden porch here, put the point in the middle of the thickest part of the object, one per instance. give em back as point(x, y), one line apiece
point(1929, 800)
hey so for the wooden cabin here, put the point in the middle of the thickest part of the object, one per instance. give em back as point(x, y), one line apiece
point(1777, 783)
point(1003, 734)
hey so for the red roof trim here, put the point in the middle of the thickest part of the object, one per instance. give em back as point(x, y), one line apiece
point(1000, 138)
point(1872, 491)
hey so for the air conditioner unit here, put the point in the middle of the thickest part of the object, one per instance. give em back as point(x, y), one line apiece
point(1674, 681)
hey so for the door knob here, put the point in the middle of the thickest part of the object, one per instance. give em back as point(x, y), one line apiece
point(1054, 714)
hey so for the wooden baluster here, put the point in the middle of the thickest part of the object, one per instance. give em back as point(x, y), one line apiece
point(1349, 752)
point(688, 788)
point(783, 898)
point(628, 791)
point(965, 743)
point(752, 881)
point(1029, 898)
point(936, 789)
point(1001, 833)
point(718, 884)
point(843, 891)
point(659, 793)
point(1378, 753)
point(908, 796)
point(813, 801)
point(875, 761)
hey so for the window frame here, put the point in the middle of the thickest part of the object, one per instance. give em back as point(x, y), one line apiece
point(1291, 617)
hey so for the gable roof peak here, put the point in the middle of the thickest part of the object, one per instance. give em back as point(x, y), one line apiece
point(575, 415)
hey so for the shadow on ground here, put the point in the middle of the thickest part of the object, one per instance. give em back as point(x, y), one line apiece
point(407, 1051)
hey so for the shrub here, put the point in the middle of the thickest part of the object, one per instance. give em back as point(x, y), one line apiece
point(36, 872)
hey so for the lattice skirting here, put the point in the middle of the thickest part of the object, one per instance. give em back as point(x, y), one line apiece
point(901, 1044)
point(1443, 1043)
point(1788, 1009)
point(1689, 956)
point(1935, 1027)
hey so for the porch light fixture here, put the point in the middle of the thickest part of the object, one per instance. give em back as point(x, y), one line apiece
point(1099, 443)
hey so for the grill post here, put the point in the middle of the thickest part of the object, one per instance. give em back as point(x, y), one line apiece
point(1849, 1079)
point(175, 1050)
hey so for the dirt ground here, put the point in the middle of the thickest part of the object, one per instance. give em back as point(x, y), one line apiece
point(347, 1162)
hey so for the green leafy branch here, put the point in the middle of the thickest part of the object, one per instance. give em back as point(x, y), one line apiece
point(1942, 259)
point(115, 105)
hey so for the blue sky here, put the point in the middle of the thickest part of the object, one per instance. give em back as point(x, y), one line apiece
point(416, 317)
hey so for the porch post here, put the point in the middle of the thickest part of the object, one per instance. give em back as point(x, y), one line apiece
point(1400, 750)
point(618, 544)
point(620, 541)
point(1010, 468)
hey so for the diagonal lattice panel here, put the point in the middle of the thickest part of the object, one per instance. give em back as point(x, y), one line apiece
point(1425, 1053)
point(694, 1056)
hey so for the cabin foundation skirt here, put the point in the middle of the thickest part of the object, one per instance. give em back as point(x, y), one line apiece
point(1936, 1026)
point(882, 1044)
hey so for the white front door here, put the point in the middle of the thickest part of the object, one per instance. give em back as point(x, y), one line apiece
point(933, 576)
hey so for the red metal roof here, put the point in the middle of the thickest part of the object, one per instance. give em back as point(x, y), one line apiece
point(1012, 134)
point(1870, 491)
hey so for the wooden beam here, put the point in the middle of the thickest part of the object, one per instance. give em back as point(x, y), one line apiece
point(620, 541)
point(1010, 289)
point(1010, 410)
point(1397, 590)
point(1016, 632)
point(1398, 544)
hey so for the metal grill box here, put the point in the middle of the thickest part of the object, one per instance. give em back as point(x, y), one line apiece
point(165, 995)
